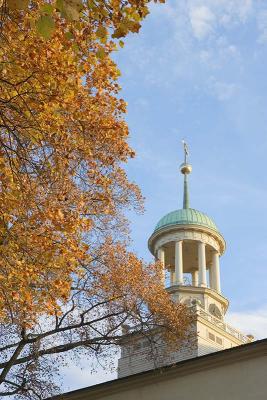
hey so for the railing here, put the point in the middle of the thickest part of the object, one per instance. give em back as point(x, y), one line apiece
point(204, 314)
point(220, 324)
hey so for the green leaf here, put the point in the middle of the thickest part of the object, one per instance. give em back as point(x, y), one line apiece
point(45, 26)
point(59, 5)
point(90, 4)
point(69, 35)
point(75, 47)
point(100, 53)
point(121, 43)
point(47, 9)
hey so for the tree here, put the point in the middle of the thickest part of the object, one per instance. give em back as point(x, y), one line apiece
point(67, 281)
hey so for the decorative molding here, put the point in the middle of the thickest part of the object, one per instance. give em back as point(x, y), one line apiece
point(185, 232)
point(191, 290)
point(186, 235)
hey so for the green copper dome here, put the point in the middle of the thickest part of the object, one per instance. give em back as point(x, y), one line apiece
point(186, 216)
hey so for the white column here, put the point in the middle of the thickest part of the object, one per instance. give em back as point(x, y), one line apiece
point(179, 278)
point(216, 272)
point(172, 276)
point(194, 278)
point(211, 277)
point(202, 264)
point(161, 258)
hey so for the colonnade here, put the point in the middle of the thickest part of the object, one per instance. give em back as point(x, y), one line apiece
point(199, 275)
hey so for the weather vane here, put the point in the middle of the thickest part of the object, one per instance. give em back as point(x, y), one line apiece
point(186, 151)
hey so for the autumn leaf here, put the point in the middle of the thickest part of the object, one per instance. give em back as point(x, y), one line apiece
point(121, 31)
point(101, 32)
point(111, 17)
point(18, 4)
point(71, 9)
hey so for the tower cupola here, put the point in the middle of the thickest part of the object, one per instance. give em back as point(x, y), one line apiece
point(189, 246)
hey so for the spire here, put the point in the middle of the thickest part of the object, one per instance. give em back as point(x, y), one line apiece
point(186, 193)
point(185, 169)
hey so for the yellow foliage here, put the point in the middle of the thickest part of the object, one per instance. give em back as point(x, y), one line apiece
point(62, 185)
point(111, 17)
point(62, 142)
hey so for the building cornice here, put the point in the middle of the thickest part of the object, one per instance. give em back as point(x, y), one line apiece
point(199, 290)
point(186, 228)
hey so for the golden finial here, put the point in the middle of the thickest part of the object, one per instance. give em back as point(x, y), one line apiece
point(185, 168)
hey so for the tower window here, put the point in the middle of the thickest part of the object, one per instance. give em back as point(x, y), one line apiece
point(211, 336)
point(219, 340)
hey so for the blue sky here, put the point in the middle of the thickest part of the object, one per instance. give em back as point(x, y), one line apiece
point(198, 70)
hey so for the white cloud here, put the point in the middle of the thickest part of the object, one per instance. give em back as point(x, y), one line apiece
point(207, 15)
point(202, 21)
point(250, 322)
point(208, 21)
